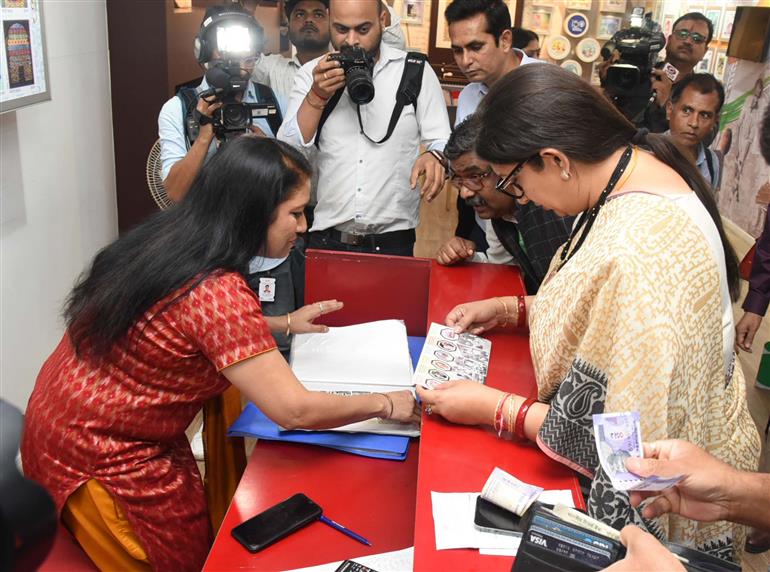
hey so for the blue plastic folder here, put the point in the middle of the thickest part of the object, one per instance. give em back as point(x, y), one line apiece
point(254, 423)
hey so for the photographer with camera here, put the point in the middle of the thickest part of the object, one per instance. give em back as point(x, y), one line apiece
point(226, 103)
point(193, 125)
point(308, 29)
point(367, 108)
point(638, 86)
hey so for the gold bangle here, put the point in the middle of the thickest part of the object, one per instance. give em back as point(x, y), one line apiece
point(511, 416)
point(319, 107)
point(288, 324)
point(505, 311)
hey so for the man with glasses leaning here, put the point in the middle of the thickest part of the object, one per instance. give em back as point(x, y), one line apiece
point(685, 47)
point(523, 234)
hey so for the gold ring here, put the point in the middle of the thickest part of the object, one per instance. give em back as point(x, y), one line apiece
point(321, 306)
point(325, 76)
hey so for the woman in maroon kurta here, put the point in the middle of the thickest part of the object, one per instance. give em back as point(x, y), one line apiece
point(162, 321)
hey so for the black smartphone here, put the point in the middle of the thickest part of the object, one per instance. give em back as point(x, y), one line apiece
point(276, 522)
point(491, 518)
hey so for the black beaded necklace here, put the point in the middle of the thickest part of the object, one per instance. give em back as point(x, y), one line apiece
point(587, 220)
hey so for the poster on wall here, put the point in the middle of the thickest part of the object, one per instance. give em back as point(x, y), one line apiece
point(744, 194)
point(23, 66)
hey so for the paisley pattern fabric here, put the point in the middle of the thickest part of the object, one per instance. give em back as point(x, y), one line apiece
point(121, 419)
point(633, 323)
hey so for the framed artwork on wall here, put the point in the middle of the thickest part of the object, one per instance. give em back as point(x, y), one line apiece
point(715, 15)
point(705, 65)
point(720, 64)
point(613, 6)
point(578, 4)
point(23, 62)
point(608, 25)
point(727, 25)
point(412, 12)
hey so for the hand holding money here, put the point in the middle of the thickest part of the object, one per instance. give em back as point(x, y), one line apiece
point(704, 492)
point(619, 438)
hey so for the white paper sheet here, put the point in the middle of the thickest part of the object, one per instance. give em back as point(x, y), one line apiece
point(396, 561)
point(370, 354)
point(453, 523)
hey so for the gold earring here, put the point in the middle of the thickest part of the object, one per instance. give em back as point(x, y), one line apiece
point(565, 175)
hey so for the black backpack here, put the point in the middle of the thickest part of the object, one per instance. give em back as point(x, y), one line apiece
point(407, 94)
point(189, 98)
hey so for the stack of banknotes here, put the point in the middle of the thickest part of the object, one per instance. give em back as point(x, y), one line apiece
point(618, 437)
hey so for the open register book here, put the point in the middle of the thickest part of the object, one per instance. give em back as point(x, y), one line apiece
point(364, 358)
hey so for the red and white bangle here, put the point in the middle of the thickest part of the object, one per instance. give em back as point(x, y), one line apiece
point(498, 420)
point(518, 428)
point(521, 313)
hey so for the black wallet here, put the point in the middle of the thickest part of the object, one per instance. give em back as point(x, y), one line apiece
point(550, 544)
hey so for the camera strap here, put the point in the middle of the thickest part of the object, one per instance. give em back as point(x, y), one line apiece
point(265, 94)
point(407, 94)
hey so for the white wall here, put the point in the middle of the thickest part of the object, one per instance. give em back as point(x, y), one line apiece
point(57, 188)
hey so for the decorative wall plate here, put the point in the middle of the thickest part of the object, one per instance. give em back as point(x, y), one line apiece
point(558, 47)
point(588, 49)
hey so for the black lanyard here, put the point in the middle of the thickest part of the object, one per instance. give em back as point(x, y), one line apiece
point(587, 220)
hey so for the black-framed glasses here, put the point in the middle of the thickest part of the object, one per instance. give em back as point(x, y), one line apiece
point(473, 182)
point(694, 36)
point(510, 180)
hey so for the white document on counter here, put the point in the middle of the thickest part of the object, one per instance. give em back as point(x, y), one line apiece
point(373, 356)
point(365, 358)
point(396, 561)
point(453, 515)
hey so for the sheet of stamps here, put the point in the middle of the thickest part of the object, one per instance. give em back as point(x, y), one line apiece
point(448, 355)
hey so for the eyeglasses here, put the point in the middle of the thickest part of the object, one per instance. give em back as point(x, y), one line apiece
point(473, 182)
point(509, 180)
point(694, 36)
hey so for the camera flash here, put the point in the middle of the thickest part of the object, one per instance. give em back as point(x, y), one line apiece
point(233, 40)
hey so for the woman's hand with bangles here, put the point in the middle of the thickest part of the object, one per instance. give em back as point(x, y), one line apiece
point(464, 402)
point(477, 317)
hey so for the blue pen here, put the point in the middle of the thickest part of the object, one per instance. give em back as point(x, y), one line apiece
point(343, 530)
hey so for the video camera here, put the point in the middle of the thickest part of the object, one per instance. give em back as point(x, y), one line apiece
point(358, 66)
point(226, 85)
point(628, 81)
point(224, 41)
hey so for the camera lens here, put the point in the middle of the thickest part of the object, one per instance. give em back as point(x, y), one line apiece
point(236, 116)
point(360, 86)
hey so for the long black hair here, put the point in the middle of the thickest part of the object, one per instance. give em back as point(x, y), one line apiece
point(222, 223)
point(540, 106)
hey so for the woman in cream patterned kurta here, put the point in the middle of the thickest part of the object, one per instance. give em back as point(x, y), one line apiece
point(635, 313)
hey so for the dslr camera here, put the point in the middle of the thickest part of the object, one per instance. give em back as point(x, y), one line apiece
point(628, 81)
point(358, 66)
point(226, 85)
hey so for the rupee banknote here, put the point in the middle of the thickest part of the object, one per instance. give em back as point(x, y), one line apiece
point(508, 492)
point(618, 437)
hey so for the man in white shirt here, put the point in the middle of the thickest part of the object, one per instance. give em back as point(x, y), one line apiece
point(309, 34)
point(367, 197)
point(482, 45)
